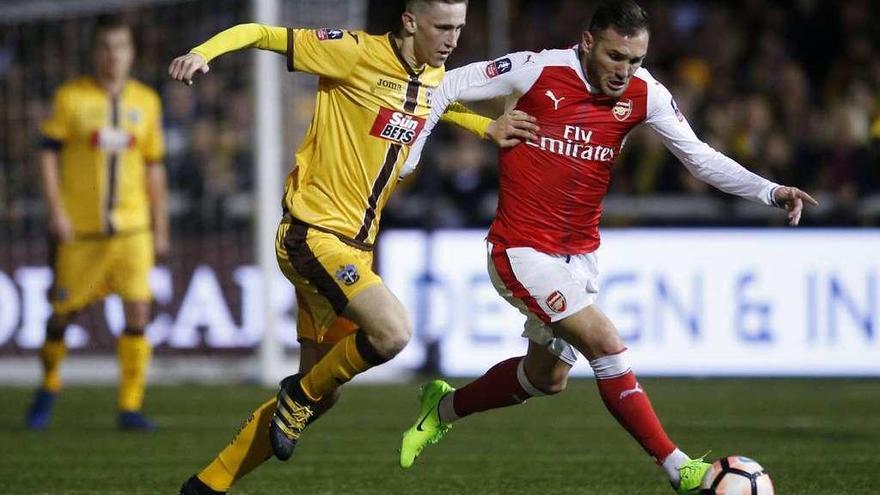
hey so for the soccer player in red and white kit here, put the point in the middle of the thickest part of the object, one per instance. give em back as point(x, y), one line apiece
point(541, 246)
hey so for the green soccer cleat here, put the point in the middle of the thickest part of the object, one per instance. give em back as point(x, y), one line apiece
point(428, 428)
point(692, 473)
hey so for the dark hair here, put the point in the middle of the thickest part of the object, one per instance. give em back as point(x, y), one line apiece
point(109, 22)
point(626, 17)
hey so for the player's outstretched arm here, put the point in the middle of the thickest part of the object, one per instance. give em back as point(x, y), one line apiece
point(250, 35)
point(792, 199)
point(507, 131)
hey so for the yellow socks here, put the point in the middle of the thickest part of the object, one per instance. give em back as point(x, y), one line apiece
point(134, 354)
point(344, 361)
point(248, 449)
point(51, 355)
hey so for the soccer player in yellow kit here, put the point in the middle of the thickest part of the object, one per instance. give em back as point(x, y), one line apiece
point(105, 188)
point(373, 97)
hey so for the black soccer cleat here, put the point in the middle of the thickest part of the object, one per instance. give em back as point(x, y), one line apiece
point(195, 486)
point(292, 413)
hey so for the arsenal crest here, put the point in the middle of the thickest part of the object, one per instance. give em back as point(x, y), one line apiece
point(623, 109)
point(347, 274)
point(556, 302)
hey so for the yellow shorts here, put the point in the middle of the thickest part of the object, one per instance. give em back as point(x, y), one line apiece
point(327, 273)
point(87, 270)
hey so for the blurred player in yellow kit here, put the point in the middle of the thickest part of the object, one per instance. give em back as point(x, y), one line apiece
point(373, 97)
point(105, 188)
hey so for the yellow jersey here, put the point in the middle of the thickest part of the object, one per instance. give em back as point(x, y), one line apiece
point(104, 143)
point(370, 107)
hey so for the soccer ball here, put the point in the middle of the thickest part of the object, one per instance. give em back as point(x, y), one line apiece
point(736, 475)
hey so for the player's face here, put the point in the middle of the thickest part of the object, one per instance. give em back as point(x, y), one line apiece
point(611, 59)
point(437, 28)
point(114, 53)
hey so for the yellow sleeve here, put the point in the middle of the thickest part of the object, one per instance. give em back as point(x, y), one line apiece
point(250, 35)
point(56, 128)
point(461, 116)
point(154, 144)
point(332, 53)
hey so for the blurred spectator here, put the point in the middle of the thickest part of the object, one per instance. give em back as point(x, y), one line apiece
point(790, 88)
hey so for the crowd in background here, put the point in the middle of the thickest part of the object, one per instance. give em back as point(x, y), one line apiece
point(789, 88)
point(208, 129)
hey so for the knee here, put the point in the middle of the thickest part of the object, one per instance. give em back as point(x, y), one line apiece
point(56, 326)
point(393, 341)
point(552, 384)
point(137, 317)
point(606, 343)
point(392, 337)
point(550, 381)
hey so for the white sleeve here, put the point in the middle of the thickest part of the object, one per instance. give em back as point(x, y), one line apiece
point(701, 160)
point(512, 73)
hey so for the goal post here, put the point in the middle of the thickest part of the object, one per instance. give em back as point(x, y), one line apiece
point(282, 104)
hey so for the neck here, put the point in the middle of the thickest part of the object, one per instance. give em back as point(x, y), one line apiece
point(112, 85)
point(585, 64)
point(406, 45)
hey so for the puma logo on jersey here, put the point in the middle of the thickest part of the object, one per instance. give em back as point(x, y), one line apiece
point(556, 101)
point(635, 390)
point(397, 127)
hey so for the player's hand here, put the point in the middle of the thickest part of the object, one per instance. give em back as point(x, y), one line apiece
point(60, 227)
point(792, 199)
point(185, 67)
point(512, 128)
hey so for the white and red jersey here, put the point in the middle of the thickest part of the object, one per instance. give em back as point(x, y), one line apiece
point(551, 190)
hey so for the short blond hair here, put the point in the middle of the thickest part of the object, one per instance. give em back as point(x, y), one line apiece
point(412, 3)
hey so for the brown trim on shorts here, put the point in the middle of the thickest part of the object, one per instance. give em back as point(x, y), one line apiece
point(378, 186)
point(363, 246)
point(306, 264)
point(290, 50)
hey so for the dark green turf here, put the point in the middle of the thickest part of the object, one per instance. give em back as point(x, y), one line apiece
point(816, 437)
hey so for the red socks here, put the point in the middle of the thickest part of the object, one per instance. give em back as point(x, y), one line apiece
point(628, 403)
point(498, 387)
point(506, 384)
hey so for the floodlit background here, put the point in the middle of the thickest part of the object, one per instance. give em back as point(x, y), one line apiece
point(699, 284)
point(790, 89)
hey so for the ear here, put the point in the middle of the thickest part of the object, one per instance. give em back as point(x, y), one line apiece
point(587, 42)
point(408, 19)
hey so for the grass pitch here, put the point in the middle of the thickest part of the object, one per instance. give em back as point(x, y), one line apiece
point(815, 437)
